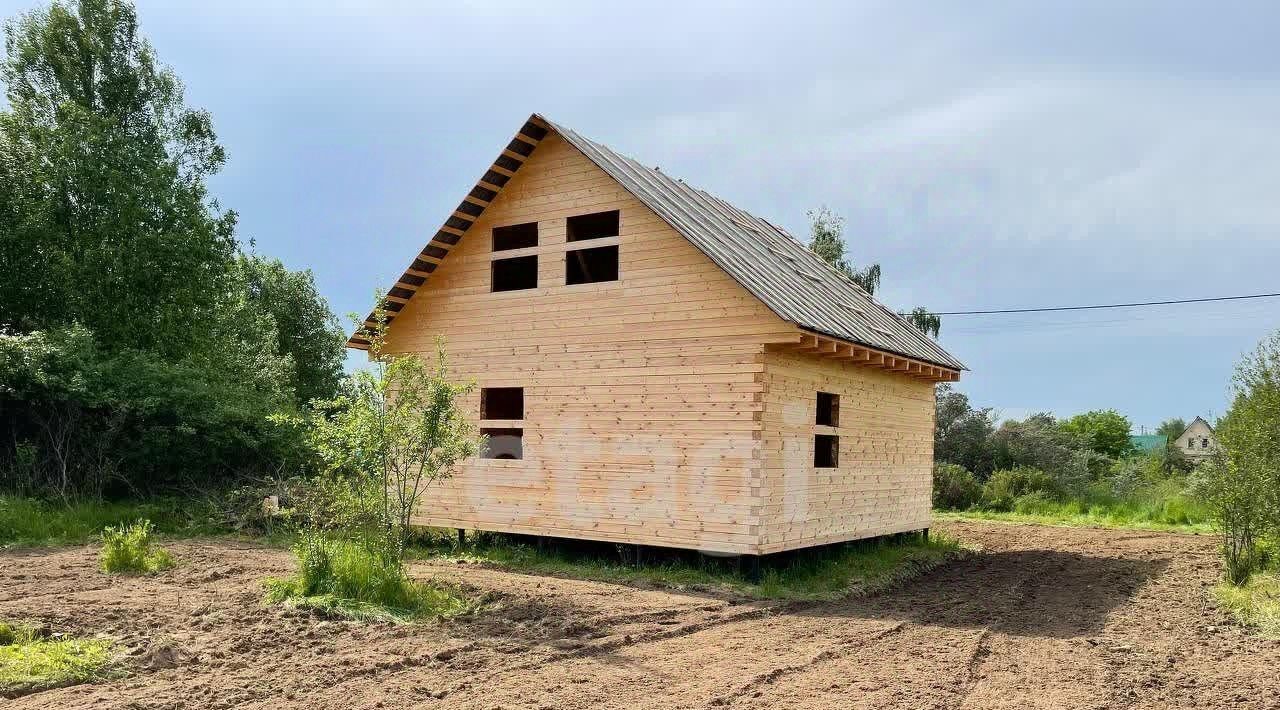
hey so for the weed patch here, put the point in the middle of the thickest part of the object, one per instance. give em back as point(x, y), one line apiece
point(129, 549)
point(29, 522)
point(1255, 604)
point(352, 579)
point(33, 660)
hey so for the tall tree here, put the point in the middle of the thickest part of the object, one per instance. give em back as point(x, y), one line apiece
point(1171, 429)
point(826, 230)
point(962, 434)
point(104, 201)
point(1105, 431)
point(927, 322)
point(309, 334)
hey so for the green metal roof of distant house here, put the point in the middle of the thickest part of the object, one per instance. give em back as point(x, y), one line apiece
point(1147, 442)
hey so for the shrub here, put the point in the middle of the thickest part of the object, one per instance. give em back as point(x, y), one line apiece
point(1038, 503)
point(128, 549)
point(359, 579)
point(954, 488)
point(1006, 486)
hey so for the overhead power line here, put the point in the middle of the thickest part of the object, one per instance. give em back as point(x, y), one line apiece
point(1102, 306)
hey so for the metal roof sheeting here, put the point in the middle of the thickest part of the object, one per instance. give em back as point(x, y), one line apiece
point(775, 267)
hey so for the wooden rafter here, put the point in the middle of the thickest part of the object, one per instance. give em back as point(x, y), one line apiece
point(455, 227)
point(827, 347)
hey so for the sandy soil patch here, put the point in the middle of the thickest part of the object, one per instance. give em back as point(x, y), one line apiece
point(1044, 618)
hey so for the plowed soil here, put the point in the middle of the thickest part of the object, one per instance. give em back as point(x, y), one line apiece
point(1042, 618)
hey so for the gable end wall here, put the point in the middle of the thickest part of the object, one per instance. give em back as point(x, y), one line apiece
point(643, 397)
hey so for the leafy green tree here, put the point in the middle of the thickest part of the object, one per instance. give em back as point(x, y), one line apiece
point(826, 231)
point(926, 321)
point(136, 350)
point(104, 202)
point(826, 240)
point(962, 434)
point(1105, 431)
point(1237, 496)
point(1243, 485)
point(396, 428)
point(1040, 442)
point(1171, 429)
point(308, 333)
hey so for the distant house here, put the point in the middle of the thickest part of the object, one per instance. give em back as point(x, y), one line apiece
point(1197, 441)
point(658, 367)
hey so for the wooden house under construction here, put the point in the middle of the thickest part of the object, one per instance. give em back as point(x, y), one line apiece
point(658, 367)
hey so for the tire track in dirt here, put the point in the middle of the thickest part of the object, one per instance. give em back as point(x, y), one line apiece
point(845, 647)
point(1043, 618)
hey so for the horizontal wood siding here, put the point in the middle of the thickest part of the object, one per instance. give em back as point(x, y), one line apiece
point(883, 482)
point(643, 397)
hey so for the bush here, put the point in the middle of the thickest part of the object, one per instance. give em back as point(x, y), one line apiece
point(954, 488)
point(82, 422)
point(1006, 486)
point(128, 549)
point(358, 579)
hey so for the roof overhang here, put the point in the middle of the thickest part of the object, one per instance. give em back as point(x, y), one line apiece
point(857, 354)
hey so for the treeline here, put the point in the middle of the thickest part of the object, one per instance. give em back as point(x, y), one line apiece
point(141, 346)
point(1040, 463)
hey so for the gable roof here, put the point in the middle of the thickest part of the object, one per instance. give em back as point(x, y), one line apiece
point(768, 262)
point(1193, 423)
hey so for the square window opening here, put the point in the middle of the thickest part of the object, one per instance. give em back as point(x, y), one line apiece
point(826, 451)
point(828, 409)
point(502, 403)
point(589, 266)
point(516, 236)
point(592, 226)
point(515, 274)
point(506, 444)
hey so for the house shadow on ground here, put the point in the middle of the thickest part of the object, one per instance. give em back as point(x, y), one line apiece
point(1041, 593)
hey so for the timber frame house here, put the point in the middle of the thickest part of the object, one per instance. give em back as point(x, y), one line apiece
point(658, 367)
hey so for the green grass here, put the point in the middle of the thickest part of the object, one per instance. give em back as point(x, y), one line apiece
point(1255, 604)
point(129, 549)
point(31, 661)
point(27, 522)
point(829, 573)
point(349, 579)
point(1083, 518)
point(1163, 506)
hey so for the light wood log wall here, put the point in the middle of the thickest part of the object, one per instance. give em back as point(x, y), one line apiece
point(656, 410)
point(643, 397)
point(883, 483)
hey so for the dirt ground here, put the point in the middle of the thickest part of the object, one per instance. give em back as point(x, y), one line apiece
point(1043, 617)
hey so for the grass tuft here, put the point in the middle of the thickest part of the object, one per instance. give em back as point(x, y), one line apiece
point(863, 567)
point(31, 660)
point(128, 549)
point(1255, 604)
point(350, 579)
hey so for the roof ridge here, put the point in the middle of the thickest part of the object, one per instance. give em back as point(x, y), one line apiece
point(765, 260)
point(822, 291)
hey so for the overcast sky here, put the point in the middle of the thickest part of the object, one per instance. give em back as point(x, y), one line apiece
point(987, 155)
